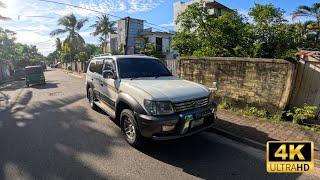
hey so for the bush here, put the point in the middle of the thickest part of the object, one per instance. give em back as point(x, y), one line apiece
point(224, 105)
point(253, 111)
point(276, 117)
point(302, 113)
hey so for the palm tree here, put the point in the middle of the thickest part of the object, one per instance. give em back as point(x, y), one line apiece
point(103, 26)
point(71, 26)
point(2, 5)
point(313, 12)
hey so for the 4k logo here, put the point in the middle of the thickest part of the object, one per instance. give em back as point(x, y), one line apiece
point(293, 156)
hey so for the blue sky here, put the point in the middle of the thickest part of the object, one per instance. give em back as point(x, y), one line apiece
point(35, 30)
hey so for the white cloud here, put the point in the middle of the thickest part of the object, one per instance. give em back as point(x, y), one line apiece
point(167, 25)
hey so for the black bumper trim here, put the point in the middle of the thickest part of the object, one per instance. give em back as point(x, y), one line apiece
point(168, 137)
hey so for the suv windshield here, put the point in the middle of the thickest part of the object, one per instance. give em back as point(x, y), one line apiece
point(34, 70)
point(141, 67)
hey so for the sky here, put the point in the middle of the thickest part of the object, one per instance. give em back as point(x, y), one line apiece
point(33, 20)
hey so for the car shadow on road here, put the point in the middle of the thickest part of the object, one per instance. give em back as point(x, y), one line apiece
point(47, 85)
point(49, 140)
point(203, 157)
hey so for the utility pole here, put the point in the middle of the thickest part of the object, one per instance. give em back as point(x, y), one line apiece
point(127, 21)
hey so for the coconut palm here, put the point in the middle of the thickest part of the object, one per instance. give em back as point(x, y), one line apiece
point(2, 5)
point(313, 12)
point(103, 27)
point(71, 26)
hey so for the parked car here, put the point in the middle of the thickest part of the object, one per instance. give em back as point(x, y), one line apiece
point(140, 93)
point(34, 75)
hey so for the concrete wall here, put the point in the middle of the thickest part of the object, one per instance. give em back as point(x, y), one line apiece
point(261, 82)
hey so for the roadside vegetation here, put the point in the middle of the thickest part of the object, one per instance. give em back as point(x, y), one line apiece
point(297, 115)
point(265, 33)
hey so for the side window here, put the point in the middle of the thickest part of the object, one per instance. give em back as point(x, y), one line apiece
point(108, 64)
point(99, 66)
point(92, 67)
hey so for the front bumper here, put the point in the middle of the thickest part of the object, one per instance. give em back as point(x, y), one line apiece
point(151, 126)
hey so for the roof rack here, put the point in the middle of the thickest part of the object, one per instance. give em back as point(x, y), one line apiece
point(107, 54)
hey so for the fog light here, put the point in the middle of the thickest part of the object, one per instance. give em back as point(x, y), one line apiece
point(166, 128)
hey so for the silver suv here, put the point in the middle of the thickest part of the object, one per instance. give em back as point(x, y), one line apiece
point(141, 94)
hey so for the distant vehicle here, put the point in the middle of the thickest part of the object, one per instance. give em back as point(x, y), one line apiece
point(34, 75)
point(141, 94)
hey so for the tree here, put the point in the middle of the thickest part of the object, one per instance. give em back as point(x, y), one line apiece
point(273, 36)
point(103, 26)
point(2, 5)
point(206, 34)
point(20, 54)
point(71, 26)
point(312, 26)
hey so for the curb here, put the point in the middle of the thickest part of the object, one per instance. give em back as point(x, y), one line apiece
point(72, 74)
point(247, 141)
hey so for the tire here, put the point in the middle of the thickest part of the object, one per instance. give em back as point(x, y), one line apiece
point(27, 85)
point(130, 129)
point(91, 99)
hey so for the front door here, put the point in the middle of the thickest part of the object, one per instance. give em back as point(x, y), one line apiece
point(109, 91)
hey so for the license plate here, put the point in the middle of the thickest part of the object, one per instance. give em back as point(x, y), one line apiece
point(188, 117)
point(197, 122)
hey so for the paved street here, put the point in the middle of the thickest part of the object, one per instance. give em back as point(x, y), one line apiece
point(49, 132)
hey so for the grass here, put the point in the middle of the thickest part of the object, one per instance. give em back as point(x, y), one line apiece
point(251, 111)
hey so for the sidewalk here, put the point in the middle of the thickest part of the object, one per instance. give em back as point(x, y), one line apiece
point(75, 74)
point(257, 132)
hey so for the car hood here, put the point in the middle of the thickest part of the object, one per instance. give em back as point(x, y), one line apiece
point(169, 88)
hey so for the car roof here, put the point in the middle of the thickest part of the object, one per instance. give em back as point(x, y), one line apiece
point(119, 57)
point(27, 67)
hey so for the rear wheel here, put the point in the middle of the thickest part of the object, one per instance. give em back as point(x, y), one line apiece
point(27, 85)
point(91, 99)
point(130, 129)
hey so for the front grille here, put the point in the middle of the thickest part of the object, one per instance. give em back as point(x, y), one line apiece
point(192, 104)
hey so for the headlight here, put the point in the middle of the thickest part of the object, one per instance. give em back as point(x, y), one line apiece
point(158, 108)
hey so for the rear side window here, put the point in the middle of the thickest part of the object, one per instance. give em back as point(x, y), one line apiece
point(99, 66)
point(34, 70)
point(108, 64)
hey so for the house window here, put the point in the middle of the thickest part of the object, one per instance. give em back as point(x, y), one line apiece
point(158, 44)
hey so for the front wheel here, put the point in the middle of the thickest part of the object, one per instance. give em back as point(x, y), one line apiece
point(130, 129)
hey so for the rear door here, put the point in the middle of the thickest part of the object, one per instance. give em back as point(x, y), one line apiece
point(98, 78)
point(110, 86)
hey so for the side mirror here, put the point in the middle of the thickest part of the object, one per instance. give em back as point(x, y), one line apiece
point(108, 74)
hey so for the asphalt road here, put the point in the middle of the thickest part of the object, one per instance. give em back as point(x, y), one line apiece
point(50, 132)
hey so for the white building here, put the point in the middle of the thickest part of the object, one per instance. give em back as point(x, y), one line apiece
point(213, 6)
point(132, 36)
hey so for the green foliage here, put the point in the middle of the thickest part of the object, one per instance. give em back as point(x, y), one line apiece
point(276, 117)
point(229, 34)
point(224, 105)
point(253, 111)
point(20, 54)
point(103, 26)
point(302, 113)
point(312, 27)
point(150, 50)
point(73, 43)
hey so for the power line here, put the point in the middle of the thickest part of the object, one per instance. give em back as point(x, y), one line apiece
point(88, 9)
